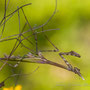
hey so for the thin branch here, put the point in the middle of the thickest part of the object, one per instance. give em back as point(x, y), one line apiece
point(13, 75)
point(4, 21)
point(48, 19)
point(14, 12)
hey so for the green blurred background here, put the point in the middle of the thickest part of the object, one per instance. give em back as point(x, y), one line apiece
point(73, 19)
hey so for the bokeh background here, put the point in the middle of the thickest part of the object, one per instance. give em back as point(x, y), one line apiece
point(73, 20)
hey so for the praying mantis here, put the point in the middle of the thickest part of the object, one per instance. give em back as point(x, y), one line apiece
point(33, 56)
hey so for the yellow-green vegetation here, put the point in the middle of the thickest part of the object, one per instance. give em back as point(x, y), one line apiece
point(73, 20)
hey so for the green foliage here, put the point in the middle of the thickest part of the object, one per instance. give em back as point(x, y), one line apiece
point(73, 19)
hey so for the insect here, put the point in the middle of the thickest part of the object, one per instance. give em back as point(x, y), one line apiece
point(33, 56)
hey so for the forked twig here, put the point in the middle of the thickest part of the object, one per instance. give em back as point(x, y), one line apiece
point(14, 12)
